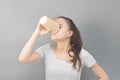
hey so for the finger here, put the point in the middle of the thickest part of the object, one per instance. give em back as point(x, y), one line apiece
point(47, 31)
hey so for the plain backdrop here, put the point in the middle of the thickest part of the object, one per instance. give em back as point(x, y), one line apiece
point(97, 20)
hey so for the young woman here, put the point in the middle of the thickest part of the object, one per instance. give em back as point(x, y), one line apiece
point(65, 59)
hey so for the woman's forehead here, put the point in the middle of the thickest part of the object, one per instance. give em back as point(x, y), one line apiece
point(61, 21)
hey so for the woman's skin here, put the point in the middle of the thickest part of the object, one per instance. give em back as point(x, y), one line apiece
point(62, 39)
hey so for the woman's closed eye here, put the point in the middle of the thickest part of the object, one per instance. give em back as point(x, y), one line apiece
point(60, 26)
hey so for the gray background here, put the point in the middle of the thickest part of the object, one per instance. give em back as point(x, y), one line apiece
point(97, 20)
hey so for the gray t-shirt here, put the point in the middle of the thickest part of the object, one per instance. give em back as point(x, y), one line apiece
point(56, 69)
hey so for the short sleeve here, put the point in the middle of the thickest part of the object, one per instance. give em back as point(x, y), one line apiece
point(87, 59)
point(42, 50)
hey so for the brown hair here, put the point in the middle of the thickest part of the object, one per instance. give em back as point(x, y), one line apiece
point(75, 42)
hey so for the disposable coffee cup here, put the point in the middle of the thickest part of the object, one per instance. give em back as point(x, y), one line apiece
point(49, 24)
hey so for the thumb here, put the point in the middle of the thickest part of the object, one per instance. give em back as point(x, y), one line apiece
point(47, 31)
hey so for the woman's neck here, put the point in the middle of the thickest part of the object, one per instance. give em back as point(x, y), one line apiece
point(63, 46)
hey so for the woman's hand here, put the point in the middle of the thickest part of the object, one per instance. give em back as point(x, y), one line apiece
point(40, 30)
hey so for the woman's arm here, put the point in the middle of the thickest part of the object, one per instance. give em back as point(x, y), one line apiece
point(27, 54)
point(99, 72)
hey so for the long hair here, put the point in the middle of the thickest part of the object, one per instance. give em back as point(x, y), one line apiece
point(75, 42)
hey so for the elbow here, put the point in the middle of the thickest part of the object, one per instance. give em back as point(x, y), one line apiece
point(21, 60)
point(107, 78)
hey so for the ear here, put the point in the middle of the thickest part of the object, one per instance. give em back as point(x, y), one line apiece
point(70, 33)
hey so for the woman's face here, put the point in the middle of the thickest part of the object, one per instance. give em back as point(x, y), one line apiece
point(64, 31)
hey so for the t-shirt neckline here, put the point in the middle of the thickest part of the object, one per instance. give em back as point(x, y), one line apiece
point(61, 61)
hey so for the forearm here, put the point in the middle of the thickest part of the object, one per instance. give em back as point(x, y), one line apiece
point(27, 49)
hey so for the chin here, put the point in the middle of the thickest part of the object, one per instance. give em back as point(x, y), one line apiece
point(56, 38)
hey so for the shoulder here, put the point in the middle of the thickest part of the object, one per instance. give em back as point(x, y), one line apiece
point(84, 52)
point(47, 45)
point(43, 47)
point(87, 58)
